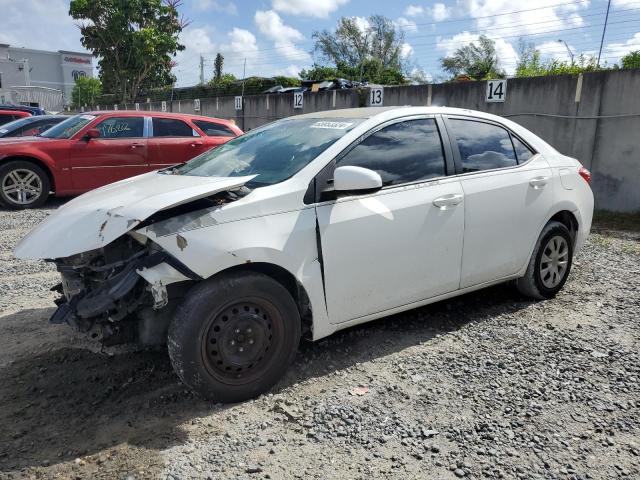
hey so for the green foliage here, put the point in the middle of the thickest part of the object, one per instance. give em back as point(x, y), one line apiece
point(135, 41)
point(531, 65)
point(86, 91)
point(631, 60)
point(370, 51)
point(217, 67)
point(478, 60)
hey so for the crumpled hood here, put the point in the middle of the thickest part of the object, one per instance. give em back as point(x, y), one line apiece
point(97, 218)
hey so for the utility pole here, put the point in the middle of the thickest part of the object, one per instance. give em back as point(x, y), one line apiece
point(244, 74)
point(27, 73)
point(604, 30)
point(201, 70)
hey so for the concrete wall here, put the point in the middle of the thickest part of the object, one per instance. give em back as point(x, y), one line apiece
point(597, 123)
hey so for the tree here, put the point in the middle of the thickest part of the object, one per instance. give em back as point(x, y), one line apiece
point(85, 91)
point(631, 60)
point(370, 50)
point(217, 67)
point(135, 41)
point(478, 60)
point(530, 64)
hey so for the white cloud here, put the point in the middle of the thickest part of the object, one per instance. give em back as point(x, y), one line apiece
point(557, 50)
point(507, 56)
point(440, 12)
point(413, 10)
point(216, 6)
point(548, 15)
point(613, 52)
point(271, 25)
point(406, 24)
point(406, 50)
point(307, 8)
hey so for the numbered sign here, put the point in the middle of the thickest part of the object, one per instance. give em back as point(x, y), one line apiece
point(196, 105)
point(376, 97)
point(115, 106)
point(496, 90)
point(137, 106)
point(298, 99)
point(238, 103)
point(163, 106)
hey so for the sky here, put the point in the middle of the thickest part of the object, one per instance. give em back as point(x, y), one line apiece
point(275, 36)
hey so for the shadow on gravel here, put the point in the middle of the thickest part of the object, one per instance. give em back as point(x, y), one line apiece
point(50, 204)
point(66, 402)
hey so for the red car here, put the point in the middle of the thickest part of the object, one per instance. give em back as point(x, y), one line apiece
point(93, 149)
point(7, 116)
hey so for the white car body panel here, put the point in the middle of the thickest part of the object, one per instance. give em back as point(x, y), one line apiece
point(380, 253)
point(383, 248)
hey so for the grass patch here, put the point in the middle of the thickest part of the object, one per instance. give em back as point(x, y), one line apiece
point(605, 220)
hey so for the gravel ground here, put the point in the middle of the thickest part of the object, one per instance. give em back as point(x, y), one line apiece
point(484, 386)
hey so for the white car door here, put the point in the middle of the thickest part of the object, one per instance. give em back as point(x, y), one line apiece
point(508, 195)
point(400, 244)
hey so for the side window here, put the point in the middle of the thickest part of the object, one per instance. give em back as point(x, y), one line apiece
point(482, 146)
point(523, 153)
point(121, 127)
point(403, 152)
point(212, 129)
point(171, 127)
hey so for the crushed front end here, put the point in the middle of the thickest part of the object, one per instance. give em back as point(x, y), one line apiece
point(123, 292)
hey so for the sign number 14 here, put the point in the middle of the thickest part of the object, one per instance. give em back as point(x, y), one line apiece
point(496, 90)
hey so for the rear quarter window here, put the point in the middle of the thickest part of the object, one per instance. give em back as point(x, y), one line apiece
point(212, 129)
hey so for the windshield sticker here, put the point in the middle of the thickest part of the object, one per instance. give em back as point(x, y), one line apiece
point(333, 125)
point(87, 117)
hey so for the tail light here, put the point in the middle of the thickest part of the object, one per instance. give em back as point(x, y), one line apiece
point(584, 173)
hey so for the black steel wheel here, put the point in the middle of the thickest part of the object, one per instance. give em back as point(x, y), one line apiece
point(234, 336)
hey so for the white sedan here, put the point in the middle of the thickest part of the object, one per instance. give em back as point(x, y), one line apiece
point(309, 225)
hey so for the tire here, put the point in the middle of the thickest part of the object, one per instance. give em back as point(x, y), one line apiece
point(33, 193)
point(234, 336)
point(550, 263)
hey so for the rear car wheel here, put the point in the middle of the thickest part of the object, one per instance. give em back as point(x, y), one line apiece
point(550, 263)
point(23, 185)
point(234, 336)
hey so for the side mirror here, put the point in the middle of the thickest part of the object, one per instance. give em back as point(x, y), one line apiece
point(349, 179)
point(92, 133)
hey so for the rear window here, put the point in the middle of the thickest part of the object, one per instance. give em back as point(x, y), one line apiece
point(483, 146)
point(171, 127)
point(212, 129)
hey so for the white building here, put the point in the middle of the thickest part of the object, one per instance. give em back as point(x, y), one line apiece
point(39, 77)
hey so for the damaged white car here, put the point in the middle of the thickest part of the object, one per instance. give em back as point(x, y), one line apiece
point(309, 225)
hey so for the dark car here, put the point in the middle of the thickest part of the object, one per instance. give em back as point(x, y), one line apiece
point(30, 126)
point(24, 108)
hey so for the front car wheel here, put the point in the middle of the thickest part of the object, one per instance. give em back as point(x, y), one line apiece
point(23, 185)
point(234, 336)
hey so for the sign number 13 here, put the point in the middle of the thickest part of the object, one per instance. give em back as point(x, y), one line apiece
point(376, 97)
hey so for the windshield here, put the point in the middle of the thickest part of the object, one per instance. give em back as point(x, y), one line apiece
point(11, 126)
point(69, 127)
point(273, 152)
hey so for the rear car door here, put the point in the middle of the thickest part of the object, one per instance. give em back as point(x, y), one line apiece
point(120, 152)
point(172, 141)
point(508, 195)
point(395, 246)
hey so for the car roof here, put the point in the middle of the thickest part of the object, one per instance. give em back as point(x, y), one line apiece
point(149, 113)
point(371, 112)
point(15, 112)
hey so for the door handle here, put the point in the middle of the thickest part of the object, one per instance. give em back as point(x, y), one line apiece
point(196, 144)
point(450, 200)
point(538, 182)
point(136, 145)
